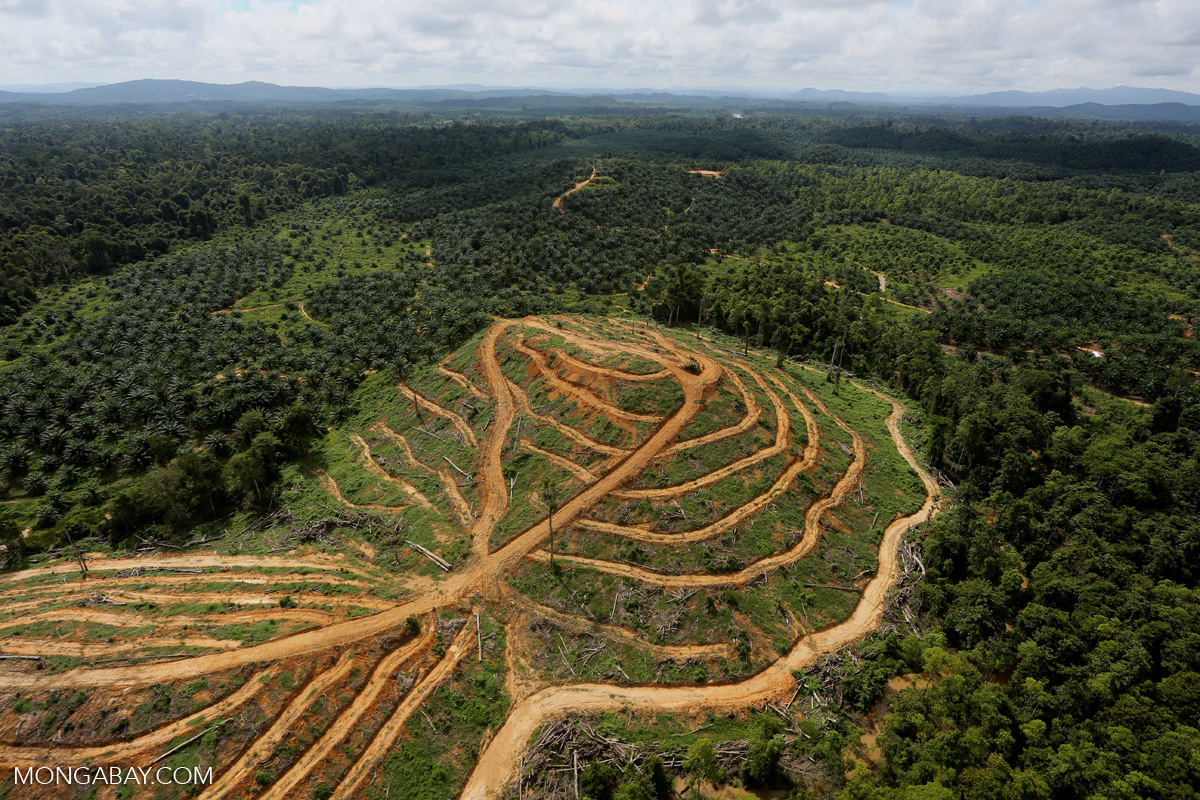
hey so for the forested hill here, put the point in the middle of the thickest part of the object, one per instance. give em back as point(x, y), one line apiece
point(190, 303)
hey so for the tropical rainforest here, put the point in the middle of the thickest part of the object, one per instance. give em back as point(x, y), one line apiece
point(189, 302)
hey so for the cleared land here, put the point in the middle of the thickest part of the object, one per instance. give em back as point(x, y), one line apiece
point(717, 523)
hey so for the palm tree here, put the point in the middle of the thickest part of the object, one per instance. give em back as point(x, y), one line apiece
point(14, 459)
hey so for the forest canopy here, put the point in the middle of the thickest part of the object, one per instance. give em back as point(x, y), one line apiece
point(188, 301)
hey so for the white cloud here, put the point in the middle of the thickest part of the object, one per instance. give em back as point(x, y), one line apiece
point(937, 45)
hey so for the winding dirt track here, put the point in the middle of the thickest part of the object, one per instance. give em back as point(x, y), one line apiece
point(616, 374)
point(615, 414)
point(459, 423)
point(497, 762)
point(92, 649)
point(484, 567)
point(746, 510)
point(344, 725)
point(461, 380)
point(241, 579)
point(22, 756)
point(127, 619)
point(241, 598)
point(696, 374)
point(495, 495)
point(265, 743)
point(748, 421)
point(812, 532)
point(95, 565)
point(130, 596)
point(462, 508)
point(374, 468)
point(304, 313)
point(566, 430)
point(557, 204)
point(677, 652)
point(582, 473)
point(782, 442)
point(386, 736)
point(331, 487)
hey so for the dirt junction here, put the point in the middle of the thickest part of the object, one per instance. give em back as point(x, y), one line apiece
point(564, 354)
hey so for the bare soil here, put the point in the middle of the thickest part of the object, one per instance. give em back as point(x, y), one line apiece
point(651, 439)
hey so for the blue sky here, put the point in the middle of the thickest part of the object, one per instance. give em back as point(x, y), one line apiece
point(945, 46)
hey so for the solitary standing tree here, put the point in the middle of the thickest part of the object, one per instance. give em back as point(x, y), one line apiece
point(782, 341)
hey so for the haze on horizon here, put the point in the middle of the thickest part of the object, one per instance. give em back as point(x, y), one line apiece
point(936, 46)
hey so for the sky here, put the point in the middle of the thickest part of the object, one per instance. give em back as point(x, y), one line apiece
point(936, 46)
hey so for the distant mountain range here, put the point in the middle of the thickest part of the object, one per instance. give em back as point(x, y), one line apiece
point(153, 92)
point(45, 87)
point(1117, 103)
point(1055, 98)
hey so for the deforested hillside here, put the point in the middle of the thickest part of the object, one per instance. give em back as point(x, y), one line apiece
point(658, 454)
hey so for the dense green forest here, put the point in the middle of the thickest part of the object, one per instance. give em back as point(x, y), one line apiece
point(82, 197)
point(188, 299)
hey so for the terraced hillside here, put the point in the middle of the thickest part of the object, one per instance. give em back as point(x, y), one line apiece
point(565, 514)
